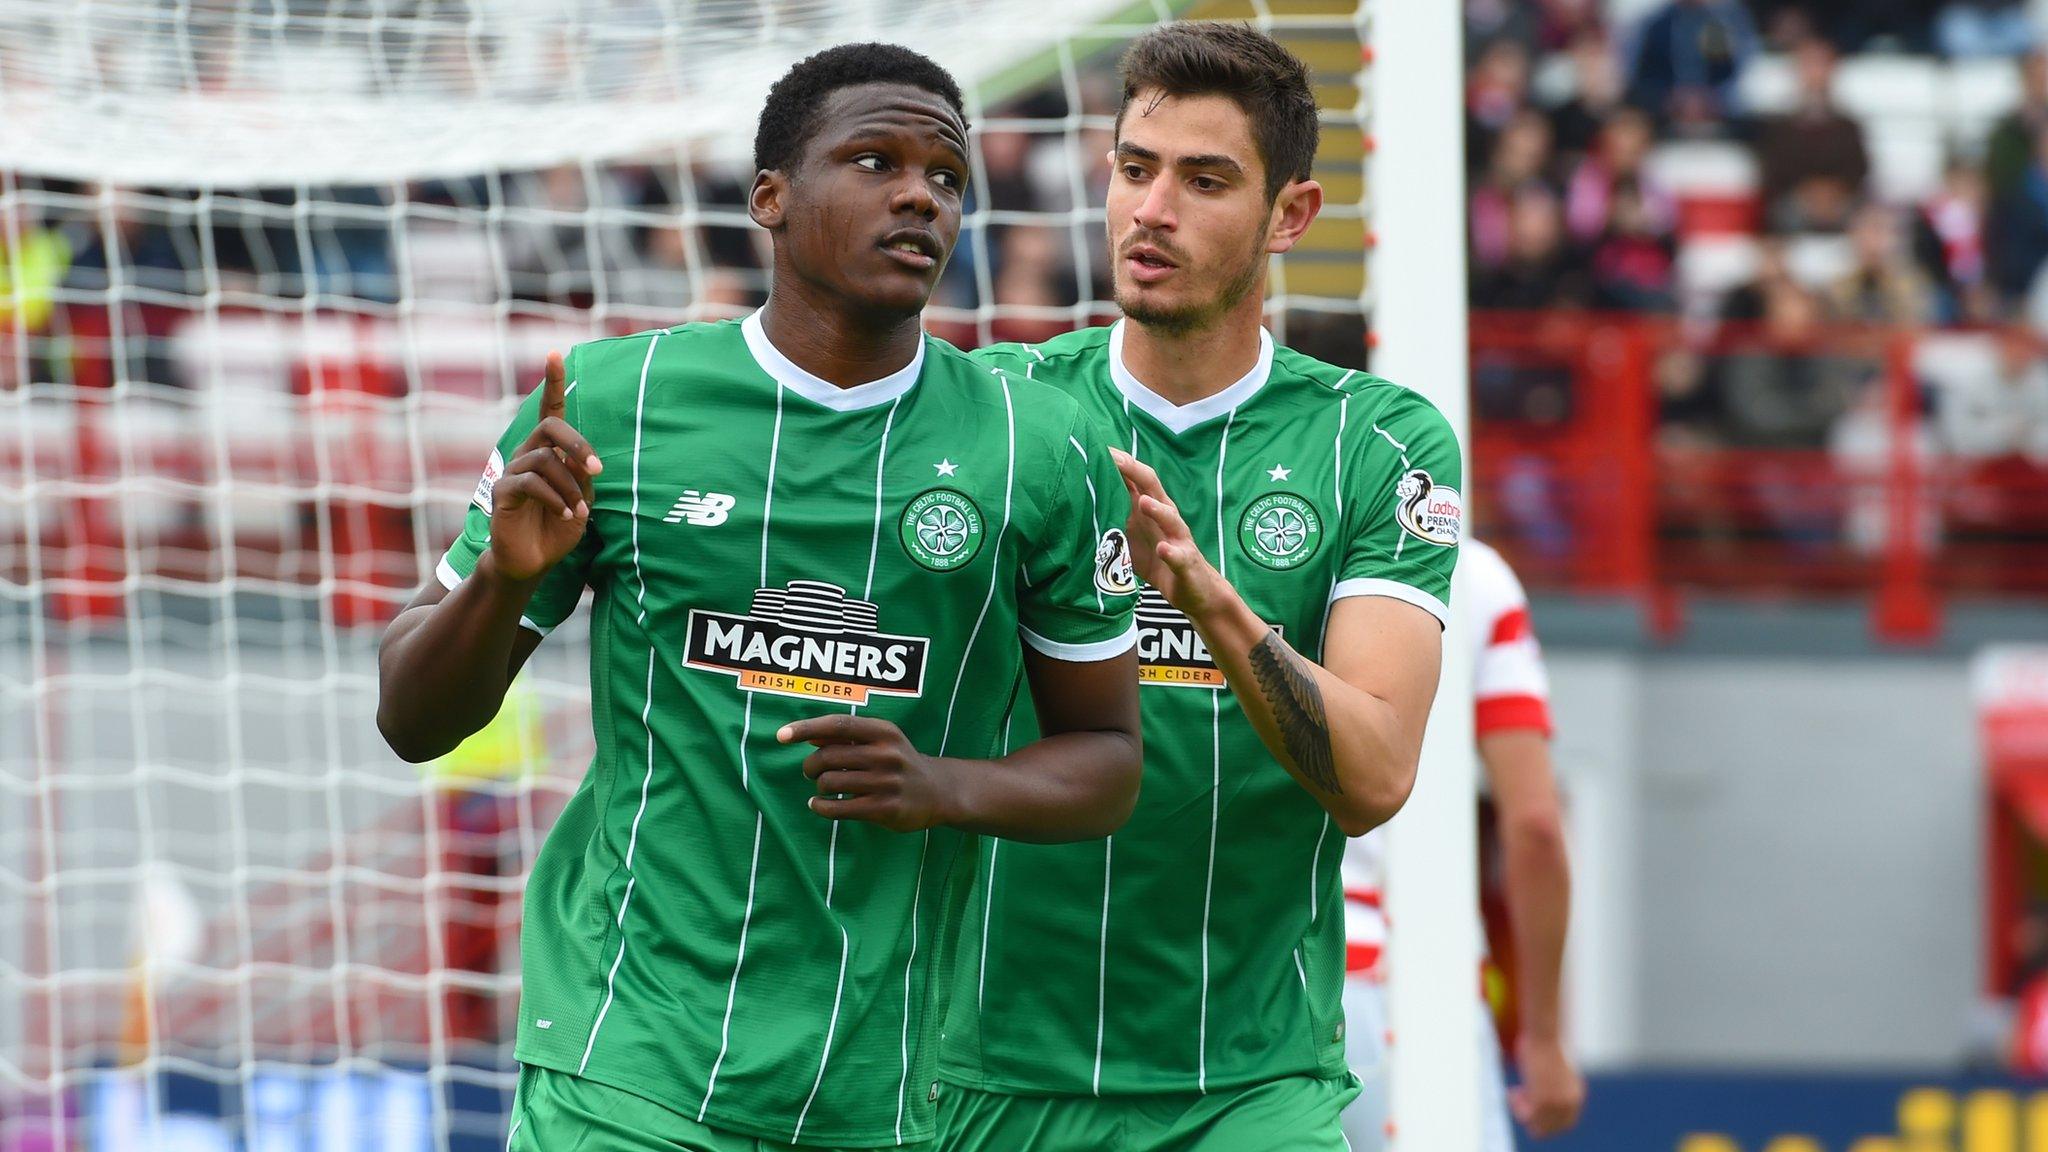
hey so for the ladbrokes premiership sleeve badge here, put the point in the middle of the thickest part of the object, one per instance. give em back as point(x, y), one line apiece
point(1428, 510)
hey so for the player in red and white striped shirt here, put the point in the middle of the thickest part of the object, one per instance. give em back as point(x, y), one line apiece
point(1511, 709)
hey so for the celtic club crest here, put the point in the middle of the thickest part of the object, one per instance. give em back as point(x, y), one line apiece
point(941, 530)
point(1280, 530)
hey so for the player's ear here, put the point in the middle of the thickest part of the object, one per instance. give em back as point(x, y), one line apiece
point(1293, 211)
point(767, 199)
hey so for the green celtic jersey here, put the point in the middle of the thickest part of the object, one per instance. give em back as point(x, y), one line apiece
point(766, 547)
point(1202, 946)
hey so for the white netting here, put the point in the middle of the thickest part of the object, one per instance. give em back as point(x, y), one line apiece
point(272, 275)
point(360, 91)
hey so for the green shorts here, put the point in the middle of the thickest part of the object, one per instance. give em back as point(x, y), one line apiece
point(556, 1112)
point(1293, 1114)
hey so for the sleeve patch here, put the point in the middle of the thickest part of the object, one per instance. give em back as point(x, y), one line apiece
point(1428, 510)
point(493, 468)
point(1114, 573)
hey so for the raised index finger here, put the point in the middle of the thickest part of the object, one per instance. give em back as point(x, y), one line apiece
point(554, 394)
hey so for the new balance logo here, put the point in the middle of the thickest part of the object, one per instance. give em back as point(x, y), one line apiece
point(703, 509)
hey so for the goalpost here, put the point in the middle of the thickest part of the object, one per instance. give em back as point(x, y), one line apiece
point(273, 275)
point(1420, 316)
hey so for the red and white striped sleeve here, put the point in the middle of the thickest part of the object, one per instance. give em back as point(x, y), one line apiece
point(1510, 690)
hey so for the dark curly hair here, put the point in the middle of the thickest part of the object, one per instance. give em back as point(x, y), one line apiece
point(1226, 58)
point(789, 119)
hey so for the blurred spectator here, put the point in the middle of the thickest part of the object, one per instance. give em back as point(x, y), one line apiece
point(2009, 151)
point(256, 242)
point(1005, 181)
point(1333, 337)
point(1865, 445)
point(1566, 22)
point(1004, 184)
point(718, 267)
point(669, 275)
point(1813, 160)
point(1520, 157)
point(1783, 385)
point(733, 244)
point(1690, 413)
point(1883, 287)
point(1948, 242)
point(1745, 304)
point(1596, 94)
point(1536, 25)
point(1851, 25)
point(1489, 22)
point(33, 261)
point(1983, 28)
point(2019, 227)
point(474, 790)
point(137, 241)
point(2001, 413)
point(1786, 24)
point(1539, 270)
point(1069, 171)
point(1686, 59)
point(1634, 261)
point(560, 242)
point(1614, 168)
point(1993, 417)
point(1036, 272)
point(1624, 219)
point(1496, 93)
point(350, 237)
point(134, 233)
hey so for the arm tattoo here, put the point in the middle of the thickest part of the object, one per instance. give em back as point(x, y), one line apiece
point(1297, 704)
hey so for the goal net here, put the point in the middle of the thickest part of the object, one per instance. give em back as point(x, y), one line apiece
point(273, 275)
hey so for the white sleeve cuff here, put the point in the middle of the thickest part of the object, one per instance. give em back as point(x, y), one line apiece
point(1082, 653)
point(1393, 589)
point(449, 577)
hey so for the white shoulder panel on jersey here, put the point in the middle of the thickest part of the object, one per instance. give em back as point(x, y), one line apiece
point(1506, 661)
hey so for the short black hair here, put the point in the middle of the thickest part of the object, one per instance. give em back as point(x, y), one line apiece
point(790, 118)
point(1227, 58)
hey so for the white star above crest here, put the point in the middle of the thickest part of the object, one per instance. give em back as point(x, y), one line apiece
point(946, 467)
point(1279, 472)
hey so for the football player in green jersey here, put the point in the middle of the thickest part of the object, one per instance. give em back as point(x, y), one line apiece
point(827, 553)
point(1179, 986)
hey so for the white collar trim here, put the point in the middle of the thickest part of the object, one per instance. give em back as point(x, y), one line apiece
point(822, 391)
point(1179, 418)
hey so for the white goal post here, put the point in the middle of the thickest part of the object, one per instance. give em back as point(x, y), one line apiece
point(1418, 189)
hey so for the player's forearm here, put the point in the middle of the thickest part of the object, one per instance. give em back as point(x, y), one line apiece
point(1539, 888)
point(444, 667)
point(1065, 787)
point(1340, 743)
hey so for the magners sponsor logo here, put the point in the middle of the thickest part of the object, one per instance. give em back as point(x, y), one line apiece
point(1170, 651)
point(808, 639)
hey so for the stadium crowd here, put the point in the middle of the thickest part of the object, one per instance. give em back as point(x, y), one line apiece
point(1583, 142)
point(1695, 168)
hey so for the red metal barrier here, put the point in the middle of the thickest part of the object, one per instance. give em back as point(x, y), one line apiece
point(1646, 458)
point(1617, 455)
